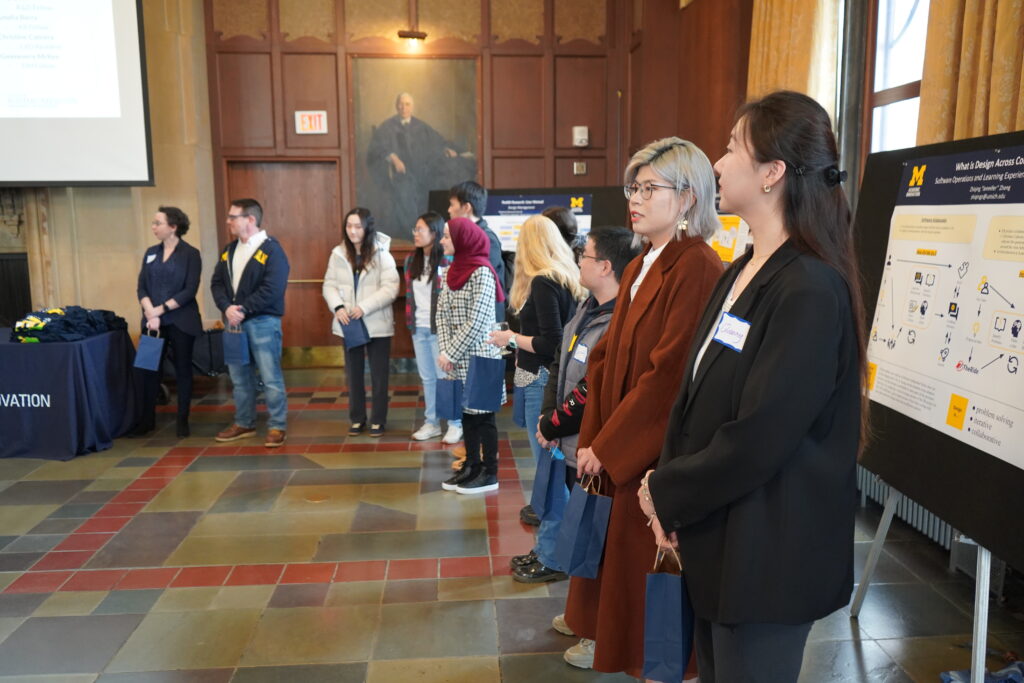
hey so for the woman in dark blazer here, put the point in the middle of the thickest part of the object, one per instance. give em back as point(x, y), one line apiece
point(167, 288)
point(756, 483)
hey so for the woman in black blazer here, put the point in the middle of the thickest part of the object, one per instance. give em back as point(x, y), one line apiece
point(167, 288)
point(756, 484)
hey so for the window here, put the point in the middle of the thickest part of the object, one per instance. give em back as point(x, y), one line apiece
point(894, 96)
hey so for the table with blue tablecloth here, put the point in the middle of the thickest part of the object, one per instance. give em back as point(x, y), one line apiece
point(62, 399)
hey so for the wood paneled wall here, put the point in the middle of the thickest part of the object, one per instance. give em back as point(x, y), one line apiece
point(542, 70)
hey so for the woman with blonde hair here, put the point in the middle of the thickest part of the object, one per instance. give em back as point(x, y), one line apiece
point(544, 293)
point(632, 375)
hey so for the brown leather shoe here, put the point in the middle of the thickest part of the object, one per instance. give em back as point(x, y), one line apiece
point(234, 432)
point(275, 438)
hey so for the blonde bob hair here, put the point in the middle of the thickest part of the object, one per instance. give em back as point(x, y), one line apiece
point(541, 252)
point(682, 164)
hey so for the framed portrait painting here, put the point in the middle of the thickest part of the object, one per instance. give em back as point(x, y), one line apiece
point(415, 130)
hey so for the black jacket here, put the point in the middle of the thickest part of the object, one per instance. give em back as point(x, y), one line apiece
point(494, 255)
point(547, 311)
point(758, 472)
point(261, 288)
point(176, 279)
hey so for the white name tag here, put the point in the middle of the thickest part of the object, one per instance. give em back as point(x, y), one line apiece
point(732, 331)
point(580, 353)
point(151, 258)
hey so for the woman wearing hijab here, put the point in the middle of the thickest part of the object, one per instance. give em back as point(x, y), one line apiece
point(466, 308)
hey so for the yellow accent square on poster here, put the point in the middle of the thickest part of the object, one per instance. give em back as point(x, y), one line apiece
point(872, 373)
point(957, 411)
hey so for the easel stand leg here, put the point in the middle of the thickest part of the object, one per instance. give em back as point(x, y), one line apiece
point(981, 588)
point(876, 551)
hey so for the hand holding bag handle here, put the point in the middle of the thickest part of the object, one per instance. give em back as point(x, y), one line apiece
point(236, 346)
point(668, 621)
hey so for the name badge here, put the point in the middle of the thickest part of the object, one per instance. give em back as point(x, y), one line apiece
point(732, 331)
point(151, 258)
point(580, 353)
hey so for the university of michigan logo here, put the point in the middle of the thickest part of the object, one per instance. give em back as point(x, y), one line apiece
point(575, 202)
point(917, 175)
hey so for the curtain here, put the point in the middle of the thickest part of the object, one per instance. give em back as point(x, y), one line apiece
point(793, 47)
point(973, 81)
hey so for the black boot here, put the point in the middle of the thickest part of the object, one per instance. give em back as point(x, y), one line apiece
point(183, 430)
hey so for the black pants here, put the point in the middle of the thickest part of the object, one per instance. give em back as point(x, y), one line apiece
point(480, 434)
point(749, 653)
point(181, 344)
point(379, 352)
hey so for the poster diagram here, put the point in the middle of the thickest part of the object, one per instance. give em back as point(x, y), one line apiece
point(946, 344)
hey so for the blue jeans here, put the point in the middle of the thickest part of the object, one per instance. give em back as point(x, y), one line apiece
point(424, 344)
point(547, 532)
point(264, 333)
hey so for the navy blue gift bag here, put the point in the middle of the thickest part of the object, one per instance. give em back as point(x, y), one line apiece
point(355, 334)
point(150, 348)
point(448, 395)
point(668, 622)
point(549, 495)
point(483, 383)
point(236, 346)
point(584, 528)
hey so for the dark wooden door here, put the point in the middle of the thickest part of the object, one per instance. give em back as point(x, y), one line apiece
point(302, 209)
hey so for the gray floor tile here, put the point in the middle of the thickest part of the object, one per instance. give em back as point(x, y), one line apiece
point(402, 545)
point(551, 667)
point(252, 492)
point(299, 595)
point(185, 676)
point(457, 629)
point(42, 492)
point(382, 475)
point(20, 604)
point(236, 463)
point(848, 661)
point(35, 543)
point(64, 645)
point(904, 610)
point(129, 602)
point(146, 541)
point(524, 626)
point(310, 673)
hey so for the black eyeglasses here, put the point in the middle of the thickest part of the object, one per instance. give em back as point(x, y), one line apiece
point(232, 217)
point(647, 189)
point(596, 258)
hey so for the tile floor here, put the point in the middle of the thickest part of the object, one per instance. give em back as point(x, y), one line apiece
point(341, 559)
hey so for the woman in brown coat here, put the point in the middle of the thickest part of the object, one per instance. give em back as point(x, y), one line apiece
point(633, 374)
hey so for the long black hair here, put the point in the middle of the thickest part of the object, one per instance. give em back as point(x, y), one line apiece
point(364, 259)
point(435, 223)
point(793, 128)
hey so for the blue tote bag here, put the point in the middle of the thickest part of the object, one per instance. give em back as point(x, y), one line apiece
point(236, 346)
point(483, 383)
point(148, 355)
point(668, 621)
point(355, 334)
point(584, 528)
point(549, 494)
point(448, 399)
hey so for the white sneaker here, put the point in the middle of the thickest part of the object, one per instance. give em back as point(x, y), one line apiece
point(427, 431)
point(581, 655)
point(558, 623)
point(453, 435)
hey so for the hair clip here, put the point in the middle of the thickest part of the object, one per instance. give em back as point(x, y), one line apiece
point(833, 176)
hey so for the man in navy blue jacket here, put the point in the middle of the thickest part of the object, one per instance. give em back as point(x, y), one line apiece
point(248, 286)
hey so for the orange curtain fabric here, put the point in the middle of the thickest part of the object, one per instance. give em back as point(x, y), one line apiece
point(973, 82)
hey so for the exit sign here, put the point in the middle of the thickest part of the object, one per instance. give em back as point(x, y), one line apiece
point(311, 122)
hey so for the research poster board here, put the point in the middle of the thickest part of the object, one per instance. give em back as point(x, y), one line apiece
point(505, 213)
point(941, 224)
point(732, 239)
point(947, 339)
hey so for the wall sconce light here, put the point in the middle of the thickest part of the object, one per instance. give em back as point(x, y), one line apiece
point(413, 35)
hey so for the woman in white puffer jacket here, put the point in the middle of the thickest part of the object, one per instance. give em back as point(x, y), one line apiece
point(361, 283)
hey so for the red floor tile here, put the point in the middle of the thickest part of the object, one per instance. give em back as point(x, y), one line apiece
point(99, 580)
point(412, 569)
point(309, 573)
point(425, 446)
point(374, 570)
point(358, 448)
point(120, 510)
point(508, 527)
point(452, 567)
point(254, 450)
point(154, 484)
point(176, 461)
point(220, 450)
point(503, 545)
point(255, 575)
point(102, 524)
point(134, 497)
point(500, 565)
point(190, 577)
point(38, 582)
point(142, 579)
point(324, 448)
point(84, 541)
point(62, 560)
point(169, 471)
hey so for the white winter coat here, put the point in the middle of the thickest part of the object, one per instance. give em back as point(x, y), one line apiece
point(378, 288)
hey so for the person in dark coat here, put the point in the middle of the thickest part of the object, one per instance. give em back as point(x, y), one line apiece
point(168, 282)
point(756, 484)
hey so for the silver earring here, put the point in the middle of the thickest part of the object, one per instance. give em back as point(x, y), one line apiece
point(767, 188)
